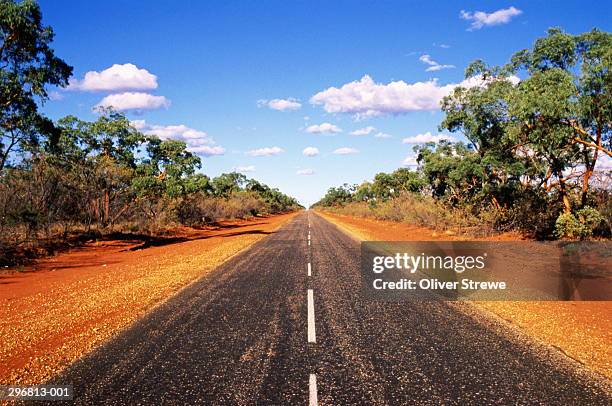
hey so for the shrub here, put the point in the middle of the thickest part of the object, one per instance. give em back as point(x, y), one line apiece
point(578, 226)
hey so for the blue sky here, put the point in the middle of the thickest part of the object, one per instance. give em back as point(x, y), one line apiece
point(228, 76)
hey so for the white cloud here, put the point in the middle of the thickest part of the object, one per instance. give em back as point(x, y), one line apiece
point(139, 124)
point(55, 96)
point(410, 161)
point(267, 151)
point(206, 150)
point(289, 104)
point(117, 77)
point(133, 101)
point(427, 137)
point(382, 135)
point(323, 128)
point(365, 98)
point(197, 141)
point(481, 19)
point(363, 131)
point(305, 172)
point(244, 169)
point(433, 65)
point(346, 151)
point(310, 151)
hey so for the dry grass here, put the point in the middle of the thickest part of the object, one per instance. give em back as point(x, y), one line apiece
point(421, 211)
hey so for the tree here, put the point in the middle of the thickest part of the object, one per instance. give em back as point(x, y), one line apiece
point(167, 169)
point(364, 192)
point(27, 66)
point(548, 129)
point(566, 102)
point(337, 196)
point(227, 183)
point(454, 172)
point(108, 148)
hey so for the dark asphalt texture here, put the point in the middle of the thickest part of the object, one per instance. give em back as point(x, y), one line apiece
point(239, 336)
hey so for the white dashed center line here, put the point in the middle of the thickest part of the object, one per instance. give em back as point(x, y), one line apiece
point(312, 338)
point(312, 382)
point(312, 401)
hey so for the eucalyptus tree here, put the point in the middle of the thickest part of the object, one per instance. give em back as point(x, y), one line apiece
point(109, 147)
point(28, 65)
point(547, 129)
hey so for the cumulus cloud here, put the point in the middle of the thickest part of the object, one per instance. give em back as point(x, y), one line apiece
point(289, 104)
point(346, 151)
point(310, 151)
point(118, 77)
point(244, 169)
point(364, 98)
point(481, 19)
point(382, 135)
point(197, 141)
point(363, 131)
point(133, 101)
point(433, 65)
point(427, 137)
point(410, 161)
point(305, 172)
point(206, 150)
point(267, 151)
point(323, 128)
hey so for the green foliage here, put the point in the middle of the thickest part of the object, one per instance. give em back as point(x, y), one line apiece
point(580, 225)
point(168, 170)
point(226, 184)
point(337, 196)
point(27, 66)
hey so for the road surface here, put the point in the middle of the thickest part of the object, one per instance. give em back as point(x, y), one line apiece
point(268, 328)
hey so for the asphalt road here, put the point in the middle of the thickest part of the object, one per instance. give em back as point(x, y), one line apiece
point(247, 334)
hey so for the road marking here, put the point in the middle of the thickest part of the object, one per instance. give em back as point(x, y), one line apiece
point(309, 269)
point(311, 319)
point(312, 385)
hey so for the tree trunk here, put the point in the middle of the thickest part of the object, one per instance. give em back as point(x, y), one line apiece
point(589, 169)
point(106, 207)
point(567, 205)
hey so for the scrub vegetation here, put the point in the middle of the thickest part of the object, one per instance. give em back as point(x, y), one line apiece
point(73, 179)
point(538, 153)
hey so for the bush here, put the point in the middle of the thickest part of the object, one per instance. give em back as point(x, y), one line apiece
point(532, 211)
point(421, 211)
point(200, 209)
point(578, 226)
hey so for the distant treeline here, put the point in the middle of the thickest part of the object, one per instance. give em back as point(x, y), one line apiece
point(531, 160)
point(106, 176)
point(74, 176)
